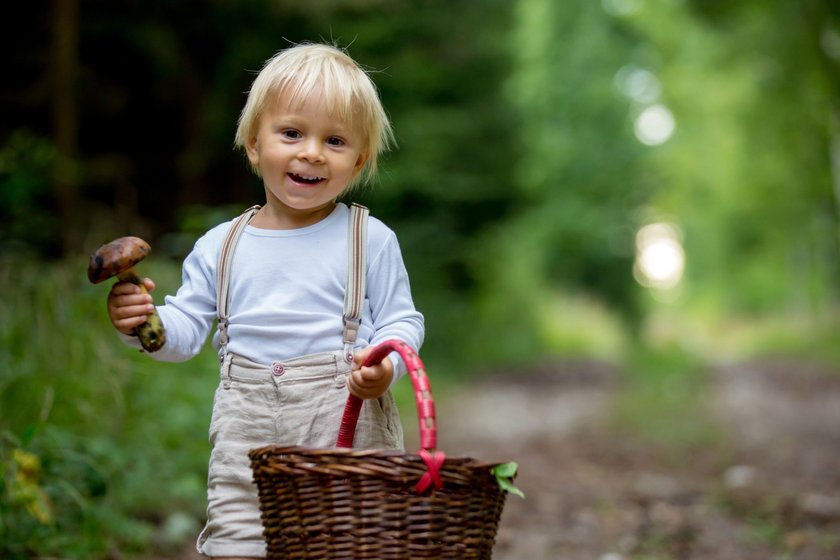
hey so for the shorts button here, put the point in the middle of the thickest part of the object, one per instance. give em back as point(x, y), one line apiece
point(278, 369)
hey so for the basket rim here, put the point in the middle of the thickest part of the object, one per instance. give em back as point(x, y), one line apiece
point(274, 450)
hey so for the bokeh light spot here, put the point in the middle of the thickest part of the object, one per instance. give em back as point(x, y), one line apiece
point(660, 259)
point(655, 125)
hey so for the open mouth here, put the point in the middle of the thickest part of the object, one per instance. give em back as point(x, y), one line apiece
point(306, 180)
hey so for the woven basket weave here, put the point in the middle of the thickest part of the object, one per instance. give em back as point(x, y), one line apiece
point(358, 504)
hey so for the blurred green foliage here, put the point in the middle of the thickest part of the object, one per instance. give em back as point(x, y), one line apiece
point(517, 189)
point(26, 163)
point(101, 449)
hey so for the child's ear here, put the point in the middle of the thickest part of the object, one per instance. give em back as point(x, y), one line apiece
point(253, 151)
point(360, 163)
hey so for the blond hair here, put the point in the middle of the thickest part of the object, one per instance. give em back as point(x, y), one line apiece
point(296, 73)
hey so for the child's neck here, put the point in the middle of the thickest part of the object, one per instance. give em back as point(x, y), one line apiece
point(271, 217)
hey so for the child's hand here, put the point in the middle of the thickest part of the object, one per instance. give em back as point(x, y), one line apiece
point(128, 307)
point(369, 382)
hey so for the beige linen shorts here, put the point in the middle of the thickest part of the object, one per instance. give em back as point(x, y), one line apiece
point(295, 402)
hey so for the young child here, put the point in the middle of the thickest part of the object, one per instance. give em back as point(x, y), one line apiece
point(300, 297)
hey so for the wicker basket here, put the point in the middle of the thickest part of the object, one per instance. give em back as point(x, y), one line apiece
point(356, 504)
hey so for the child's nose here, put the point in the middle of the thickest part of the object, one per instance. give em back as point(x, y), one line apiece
point(312, 151)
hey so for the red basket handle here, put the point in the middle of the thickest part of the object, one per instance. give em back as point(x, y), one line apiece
point(422, 394)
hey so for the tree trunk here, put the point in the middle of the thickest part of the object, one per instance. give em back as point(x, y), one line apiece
point(64, 109)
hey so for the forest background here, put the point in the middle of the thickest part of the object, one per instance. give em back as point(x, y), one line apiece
point(607, 179)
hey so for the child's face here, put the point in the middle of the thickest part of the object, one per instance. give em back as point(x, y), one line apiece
point(305, 156)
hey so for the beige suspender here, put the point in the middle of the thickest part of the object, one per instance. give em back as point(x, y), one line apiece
point(354, 294)
point(223, 274)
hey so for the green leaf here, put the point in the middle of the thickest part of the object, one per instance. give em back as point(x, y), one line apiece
point(505, 474)
point(508, 486)
point(507, 470)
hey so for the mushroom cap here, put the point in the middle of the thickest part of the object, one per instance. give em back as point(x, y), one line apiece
point(115, 257)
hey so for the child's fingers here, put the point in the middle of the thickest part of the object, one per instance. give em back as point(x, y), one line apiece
point(128, 311)
point(365, 377)
point(369, 381)
point(124, 288)
point(127, 325)
point(365, 381)
point(131, 288)
point(361, 390)
point(354, 388)
point(130, 301)
point(372, 373)
point(128, 307)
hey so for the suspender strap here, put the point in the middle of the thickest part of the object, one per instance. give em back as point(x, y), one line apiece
point(223, 274)
point(354, 295)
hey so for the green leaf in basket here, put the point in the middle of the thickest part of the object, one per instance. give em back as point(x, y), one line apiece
point(504, 474)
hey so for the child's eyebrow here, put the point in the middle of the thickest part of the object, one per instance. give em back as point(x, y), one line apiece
point(342, 128)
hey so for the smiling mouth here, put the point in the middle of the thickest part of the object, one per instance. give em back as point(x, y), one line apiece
point(305, 179)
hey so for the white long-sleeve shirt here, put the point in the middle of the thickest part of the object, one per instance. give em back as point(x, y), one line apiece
point(287, 293)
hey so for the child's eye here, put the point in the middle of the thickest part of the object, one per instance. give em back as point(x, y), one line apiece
point(291, 134)
point(335, 141)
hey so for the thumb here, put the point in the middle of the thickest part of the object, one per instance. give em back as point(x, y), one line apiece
point(361, 355)
point(149, 284)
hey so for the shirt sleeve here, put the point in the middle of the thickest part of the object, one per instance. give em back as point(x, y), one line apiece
point(391, 304)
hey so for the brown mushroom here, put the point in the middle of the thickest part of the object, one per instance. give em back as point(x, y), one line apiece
point(118, 258)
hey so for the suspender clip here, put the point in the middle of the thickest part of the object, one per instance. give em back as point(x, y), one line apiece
point(351, 329)
point(223, 336)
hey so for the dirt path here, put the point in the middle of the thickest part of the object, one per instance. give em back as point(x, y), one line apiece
point(770, 490)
